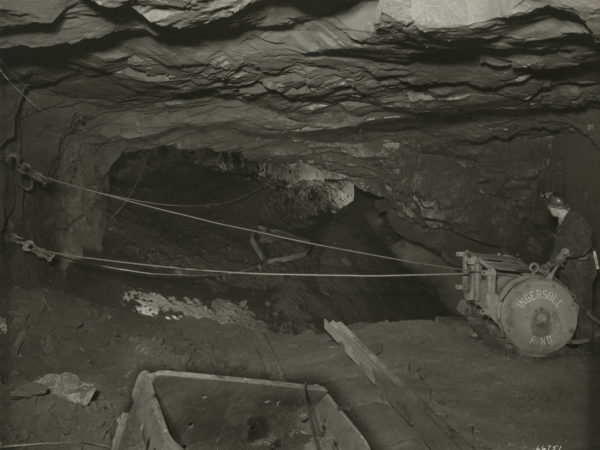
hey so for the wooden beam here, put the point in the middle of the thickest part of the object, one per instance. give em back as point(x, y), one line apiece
point(435, 432)
point(257, 248)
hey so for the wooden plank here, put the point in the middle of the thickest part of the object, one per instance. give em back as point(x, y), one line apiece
point(433, 430)
point(256, 248)
point(118, 436)
point(360, 354)
point(288, 258)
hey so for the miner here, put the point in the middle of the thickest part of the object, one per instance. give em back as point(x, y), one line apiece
point(572, 252)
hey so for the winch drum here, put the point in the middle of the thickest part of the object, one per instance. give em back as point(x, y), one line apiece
point(537, 315)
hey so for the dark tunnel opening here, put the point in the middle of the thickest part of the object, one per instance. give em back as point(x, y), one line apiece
point(225, 190)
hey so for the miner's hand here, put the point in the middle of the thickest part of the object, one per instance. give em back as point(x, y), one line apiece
point(561, 258)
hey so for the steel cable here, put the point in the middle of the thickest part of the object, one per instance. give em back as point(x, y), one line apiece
point(72, 257)
point(236, 227)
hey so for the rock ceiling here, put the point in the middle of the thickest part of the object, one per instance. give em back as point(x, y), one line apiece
point(448, 108)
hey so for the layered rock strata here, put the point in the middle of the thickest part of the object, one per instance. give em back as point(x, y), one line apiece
point(457, 112)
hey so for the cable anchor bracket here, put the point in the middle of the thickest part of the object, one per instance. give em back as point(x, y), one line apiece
point(30, 247)
point(30, 176)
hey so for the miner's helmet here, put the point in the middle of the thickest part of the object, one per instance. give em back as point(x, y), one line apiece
point(553, 200)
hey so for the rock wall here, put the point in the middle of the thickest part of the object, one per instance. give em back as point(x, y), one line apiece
point(459, 112)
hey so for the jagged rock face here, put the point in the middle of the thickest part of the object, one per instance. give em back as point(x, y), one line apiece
point(458, 111)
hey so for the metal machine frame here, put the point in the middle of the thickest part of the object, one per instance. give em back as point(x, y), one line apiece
point(477, 266)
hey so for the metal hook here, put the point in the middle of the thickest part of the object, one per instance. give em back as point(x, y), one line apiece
point(28, 246)
point(27, 185)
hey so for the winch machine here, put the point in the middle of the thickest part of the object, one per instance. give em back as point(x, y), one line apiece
point(535, 313)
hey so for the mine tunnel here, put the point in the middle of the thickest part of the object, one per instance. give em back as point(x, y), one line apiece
point(291, 225)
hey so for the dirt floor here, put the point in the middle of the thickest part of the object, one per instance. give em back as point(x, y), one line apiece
point(106, 326)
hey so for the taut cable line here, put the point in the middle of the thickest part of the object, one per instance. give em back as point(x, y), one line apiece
point(20, 91)
point(236, 272)
point(240, 228)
